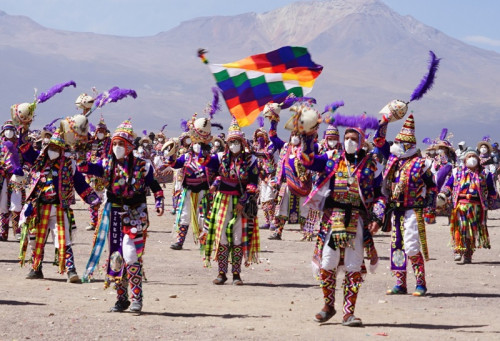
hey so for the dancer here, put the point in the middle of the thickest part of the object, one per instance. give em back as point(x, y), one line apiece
point(54, 180)
point(352, 202)
point(124, 218)
point(229, 231)
point(472, 191)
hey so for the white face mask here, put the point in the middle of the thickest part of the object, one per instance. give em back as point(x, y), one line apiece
point(396, 149)
point(482, 150)
point(160, 140)
point(350, 146)
point(235, 148)
point(471, 162)
point(100, 136)
point(46, 140)
point(187, 141)
point(440, 152)
point(8, 134)
point(196, 148)
point(332, 143)
point(145, 144)
point(119, 152)
point(295, 140)
point(53, 154)
point(217, 143)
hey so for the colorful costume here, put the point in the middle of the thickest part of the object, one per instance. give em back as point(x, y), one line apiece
point(229, 232)
point(12, 193)
point(54, 180)
point(195, 200)
point(265, 153)
point(472, 191)
point(349, 183)
point(99, 149)
point(409, 187)
point(124, 218)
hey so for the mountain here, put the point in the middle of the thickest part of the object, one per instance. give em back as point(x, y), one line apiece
point(370, 55)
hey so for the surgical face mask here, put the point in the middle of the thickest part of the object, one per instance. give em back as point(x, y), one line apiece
point(396, 149)
point(187, 142)
point(295, 140)
point(100, 136)
point(145, 144)
point(235, 147)
point(440, 151)
point(217, 143)
point(46, 140)
point(119, 152)
point(8, 134)
point(482, 150)
point(53, 154)
point(350, 146)
point(471, 162)
point(332, 143)
point(196, 148)
point(160, 140)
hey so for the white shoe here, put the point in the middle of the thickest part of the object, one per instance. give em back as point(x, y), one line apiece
point(90, 228)
point(458, 257)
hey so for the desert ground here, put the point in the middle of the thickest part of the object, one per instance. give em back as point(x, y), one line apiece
point(277, 301)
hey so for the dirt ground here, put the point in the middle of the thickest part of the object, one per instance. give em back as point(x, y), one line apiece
point(277, 302)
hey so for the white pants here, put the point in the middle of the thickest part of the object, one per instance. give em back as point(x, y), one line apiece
point(411, 237)
point(237, 227)
point(353, 258)
point(52, 227)
point(267, 192)
point(285, 201)
point(129, 251)
point(16, 199)
point(186, 209)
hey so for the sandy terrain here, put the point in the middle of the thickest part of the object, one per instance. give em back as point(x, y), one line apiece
point(277, 302)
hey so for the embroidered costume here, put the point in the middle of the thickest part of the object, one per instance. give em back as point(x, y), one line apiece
point(124, 219)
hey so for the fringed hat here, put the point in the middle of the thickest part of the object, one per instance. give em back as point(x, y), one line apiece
point(200, 129)
point(485, 142)
point(396, 109)
point(444, 140)
point(260, 130)
point(407, 133)
point(57, 139)
point(102, 124)
point(8, 125)
point(145, 137)
point(305, 119)
point(234, 131)
point(125, 132)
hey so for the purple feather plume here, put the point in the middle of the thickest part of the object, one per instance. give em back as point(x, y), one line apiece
point(428, 80)
point(215, 102)
point(91, 127)
point(163, 128)
point(44, 96)
point(289, 101)
point(217, 125)
point(334, 106)
point(13, 154)
point(260, 119)
point(444, 132)
point(427, 141)
point(144, 132)
point(113, 95)
point(184, 125)
point(361, 121)
point(50, 126)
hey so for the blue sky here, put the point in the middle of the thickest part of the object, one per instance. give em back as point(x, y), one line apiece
point(472, 21)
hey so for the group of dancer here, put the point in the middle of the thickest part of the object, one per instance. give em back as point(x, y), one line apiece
point(341, 189)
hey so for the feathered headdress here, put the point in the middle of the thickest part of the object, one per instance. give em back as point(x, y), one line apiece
point(260, 119)
point(163, 128)
point(45, 96)
point(213, 107)
point(91, 127)
point(397, 109)
point(184, 125)
point(363, 121)
point(112, 95)
point(51, 127)
point(333, 106)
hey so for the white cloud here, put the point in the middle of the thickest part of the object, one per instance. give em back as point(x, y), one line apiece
point(482, 40)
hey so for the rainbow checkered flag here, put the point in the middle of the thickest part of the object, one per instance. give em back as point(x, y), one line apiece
point(250, 83)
